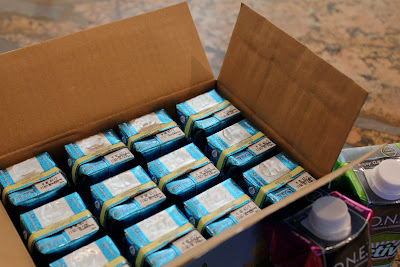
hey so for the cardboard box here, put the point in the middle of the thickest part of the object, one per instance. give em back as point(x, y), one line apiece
point(65, 89)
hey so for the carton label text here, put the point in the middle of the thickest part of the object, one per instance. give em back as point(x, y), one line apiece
point(81, 229)
point(170, 134)
point(204, 172)
point(150, 197)
point(118, 156)
point(189, 241)
point(50, 183)
point(227, 112)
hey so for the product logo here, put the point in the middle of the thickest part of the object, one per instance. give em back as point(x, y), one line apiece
point(357, 258)
point(192, 220)
point(154, 178)
point(97, 204)
point(388, 151)
point(388, 221)
point(385, 249)
point(132, 250)
point(252, 190)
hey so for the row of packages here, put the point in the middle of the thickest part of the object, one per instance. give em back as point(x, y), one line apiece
point(214, 166)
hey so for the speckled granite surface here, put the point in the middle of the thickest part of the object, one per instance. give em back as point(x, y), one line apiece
point(359, 37)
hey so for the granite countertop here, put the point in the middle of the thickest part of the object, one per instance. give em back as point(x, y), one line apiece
point(361, 38)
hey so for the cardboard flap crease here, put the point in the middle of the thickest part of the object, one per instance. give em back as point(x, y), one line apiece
point(71, 87)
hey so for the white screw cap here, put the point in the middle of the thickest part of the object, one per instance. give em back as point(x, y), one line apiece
point(329, 219)
point(384, 179)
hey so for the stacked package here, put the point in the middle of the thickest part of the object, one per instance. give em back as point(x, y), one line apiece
point(274, 179)
point(183, 173)
point(219, 208)
point(30, 184)
point(161, 238)
point(126, 199)
point(130, 204)
point(151, 136)
point(96, 158)
point(102, 252)
point(238, 148)
point(204, 115)
point(57, 228)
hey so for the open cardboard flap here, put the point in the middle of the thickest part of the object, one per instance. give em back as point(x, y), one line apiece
point(68, 88)
point(300, 101)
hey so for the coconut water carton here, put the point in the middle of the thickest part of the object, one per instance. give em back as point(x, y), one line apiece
point(274, 179)
point(57, 228)
point(30, 184)
point(333, 231)
point(153, 240)
point(102, 252)
point(204, 115)
point(126, 199)
point(375, 183)
point(96, 158)
point(151, 136)
point(237, 148)
point(219, 208)
point(183, 173)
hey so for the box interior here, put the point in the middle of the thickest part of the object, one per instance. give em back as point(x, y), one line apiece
point(68, 88)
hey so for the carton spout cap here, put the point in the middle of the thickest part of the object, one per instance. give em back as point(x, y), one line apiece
point(329, 219)
point(385, 179)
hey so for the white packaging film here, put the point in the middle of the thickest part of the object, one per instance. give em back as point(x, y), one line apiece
point(157, 225)
point(215, 198)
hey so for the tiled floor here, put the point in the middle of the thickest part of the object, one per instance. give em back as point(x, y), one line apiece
point(359, 37)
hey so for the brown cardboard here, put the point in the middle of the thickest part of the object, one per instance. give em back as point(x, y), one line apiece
point(65, 89)
point(300, 101)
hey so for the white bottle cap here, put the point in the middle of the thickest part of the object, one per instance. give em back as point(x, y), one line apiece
point(329, 219)
point(384, 179)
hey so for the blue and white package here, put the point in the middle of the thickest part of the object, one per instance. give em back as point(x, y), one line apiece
point(151, 136)
point(214, 204)
point(100, 253)
point(204, 115)
point(274, 179)
point(30, 184)
point(294, 185)
point(174, 249)
point(126, 199)
point(238, 148)
point(96, 158)
point(155, 233)
point(232, 218)
point(57, 228)
point(183, 173)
